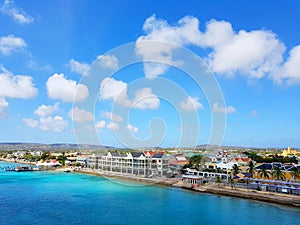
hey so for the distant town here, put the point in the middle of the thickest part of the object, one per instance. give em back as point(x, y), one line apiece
point(260, 169)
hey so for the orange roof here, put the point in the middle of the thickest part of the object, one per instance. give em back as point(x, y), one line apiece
point(151, 153)
point(246, 159)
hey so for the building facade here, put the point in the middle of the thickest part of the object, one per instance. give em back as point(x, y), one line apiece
point(148, 164)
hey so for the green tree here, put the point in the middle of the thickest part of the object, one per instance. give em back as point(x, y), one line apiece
point(251, 168)
point(235, 169)
point(264, 173)
point(61, 159)
point(218, 180)
point(277, 173)
point(195, 161)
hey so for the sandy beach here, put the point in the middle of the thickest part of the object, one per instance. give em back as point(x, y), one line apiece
point(20, 162)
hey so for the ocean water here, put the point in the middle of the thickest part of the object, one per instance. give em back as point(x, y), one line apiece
point(69, 198)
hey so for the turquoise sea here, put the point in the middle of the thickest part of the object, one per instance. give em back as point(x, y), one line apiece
point(68, 198)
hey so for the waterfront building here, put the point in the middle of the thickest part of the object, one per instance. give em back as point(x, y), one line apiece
point(287, 170)
point(198, 177)
point(140, 163)
point(290, 152)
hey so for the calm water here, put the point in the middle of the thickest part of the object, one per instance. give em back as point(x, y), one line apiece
point(67, 198)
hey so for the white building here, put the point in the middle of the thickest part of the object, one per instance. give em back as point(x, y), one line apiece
point(139, 163)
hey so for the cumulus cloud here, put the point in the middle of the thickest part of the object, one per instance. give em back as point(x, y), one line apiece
point(78, 67)
point(112, 116)
point(80, 115)
point(50, 123)
point(108, 61)
point(132, 128)
point(221, 109)
point(46, 110)
point(113, 126)
point(145, 99)
point(3, 107)
point(184, 32)
point(46, 120)
point(30, 122)
point(56, 123)
point(111, 89)
point(10, 43)
point(59, 87)
point(114, 90)
point(289, 72)
point(9, 8)
point(254, 54)
point(191, 104)
point(16, 86)
point(100, 124)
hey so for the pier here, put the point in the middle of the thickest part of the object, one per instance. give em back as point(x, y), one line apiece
point(19, 168)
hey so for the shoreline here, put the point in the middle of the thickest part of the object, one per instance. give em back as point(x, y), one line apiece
point(17, 162)
point(269, 197)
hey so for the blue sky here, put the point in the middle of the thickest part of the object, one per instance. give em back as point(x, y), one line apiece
point(52, 51)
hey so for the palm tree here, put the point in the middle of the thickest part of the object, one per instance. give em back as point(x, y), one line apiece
point(295, 172)
point(235, 170)
point(277, 173)
point(195, 161)
point(218, 180)
point(264, 173)
point(231, 181)
point(251, 168)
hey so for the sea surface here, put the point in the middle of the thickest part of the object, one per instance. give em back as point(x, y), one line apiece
point(70, 198)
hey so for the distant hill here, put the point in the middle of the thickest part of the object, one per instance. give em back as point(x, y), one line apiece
point(49, 147)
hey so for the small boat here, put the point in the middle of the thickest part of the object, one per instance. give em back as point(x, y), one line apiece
point(24, 168)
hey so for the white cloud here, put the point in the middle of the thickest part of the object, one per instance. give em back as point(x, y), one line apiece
point(46, 110)
point(114, 90)
point(222, 109)
point(191, 104)
point(16, 86)
point(34, 65)
point(9, 8)
point(46, 120)
point(30, 122)
point(78, 67)
point(3, 107)
point(254, 113)
point(145, 99)
point(108, 61)
point(60, 88)
point(113, 126)
point(132, 128)
point(254, 54)
point(112, 116)
point(111, 89)
point(10, 43)
point(289, 73)
point(185, 32)
point(56, 123)
point(80, 115)
point(100, 124)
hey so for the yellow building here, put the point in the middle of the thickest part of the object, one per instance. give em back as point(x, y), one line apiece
point(289, 151)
